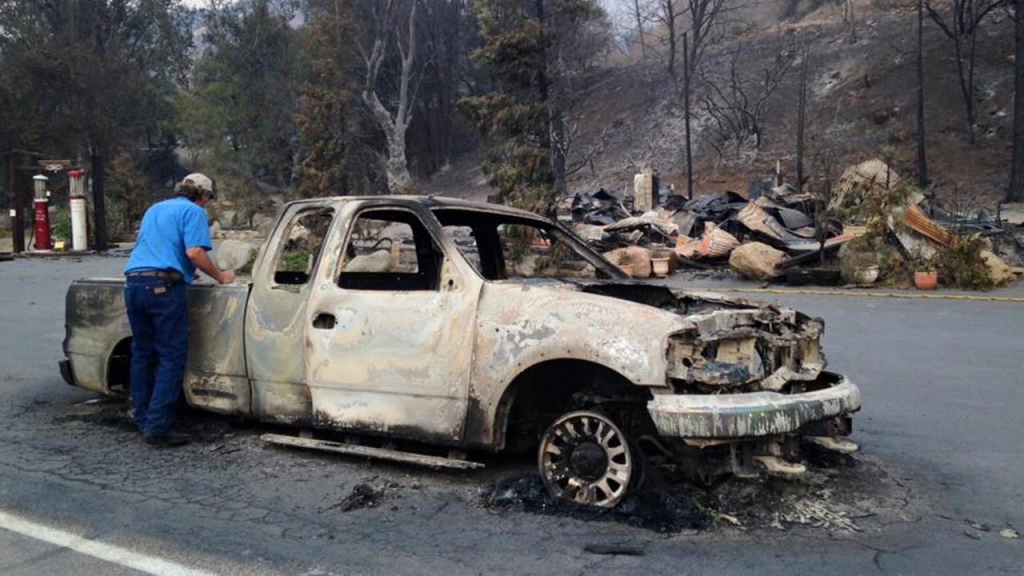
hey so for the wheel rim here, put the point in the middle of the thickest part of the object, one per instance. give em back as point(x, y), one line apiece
point(585, 458)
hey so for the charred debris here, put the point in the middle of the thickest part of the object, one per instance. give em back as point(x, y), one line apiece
point(870, 227)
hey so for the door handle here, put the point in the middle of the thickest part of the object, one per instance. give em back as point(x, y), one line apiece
point(324, 321)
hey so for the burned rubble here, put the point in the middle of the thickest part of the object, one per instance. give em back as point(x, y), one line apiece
point(869, 226)
point(840, 495)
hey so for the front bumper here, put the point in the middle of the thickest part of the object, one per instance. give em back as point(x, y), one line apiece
point(754, 414)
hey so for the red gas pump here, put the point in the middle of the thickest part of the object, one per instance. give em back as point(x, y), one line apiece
point(42, 219)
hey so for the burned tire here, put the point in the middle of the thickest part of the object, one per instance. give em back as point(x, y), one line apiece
point(585, 458)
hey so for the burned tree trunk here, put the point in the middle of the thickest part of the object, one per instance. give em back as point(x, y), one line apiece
point(686, 109)
point(966, 85)
point(669, 20)
point(99, 177)
point(394, 125)
point(961, 26)
point(922, 162)
point(640, 28)
point(801, 118)
point(1017, 171)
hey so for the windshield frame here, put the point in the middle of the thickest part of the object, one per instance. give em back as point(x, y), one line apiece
point(555, 229)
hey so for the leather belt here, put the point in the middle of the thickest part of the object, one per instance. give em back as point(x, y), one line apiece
point(156, 273)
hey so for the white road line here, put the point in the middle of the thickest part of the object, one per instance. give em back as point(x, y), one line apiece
point(113, 554)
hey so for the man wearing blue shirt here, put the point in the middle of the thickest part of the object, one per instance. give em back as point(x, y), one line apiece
point(173, 241)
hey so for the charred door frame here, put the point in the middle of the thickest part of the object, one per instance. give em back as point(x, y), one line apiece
point(275, 321)
point(422, 341)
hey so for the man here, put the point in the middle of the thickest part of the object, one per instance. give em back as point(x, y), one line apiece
point(172, 243)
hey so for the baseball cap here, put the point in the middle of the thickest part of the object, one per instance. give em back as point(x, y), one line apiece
point(200, 181)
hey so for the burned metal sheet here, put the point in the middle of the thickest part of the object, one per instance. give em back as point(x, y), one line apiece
point(435, 462)
point(96, 322)
point(216, 377)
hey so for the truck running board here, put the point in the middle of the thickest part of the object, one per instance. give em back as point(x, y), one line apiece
point(370, 452)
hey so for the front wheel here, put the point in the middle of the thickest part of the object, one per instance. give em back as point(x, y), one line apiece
point(585, 458)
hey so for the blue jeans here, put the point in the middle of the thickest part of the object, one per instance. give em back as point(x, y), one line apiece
point(158, 314)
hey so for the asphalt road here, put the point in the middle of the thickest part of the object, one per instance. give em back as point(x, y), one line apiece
point(943, 418)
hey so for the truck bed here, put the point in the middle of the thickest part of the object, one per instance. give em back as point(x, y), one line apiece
point(99, 340)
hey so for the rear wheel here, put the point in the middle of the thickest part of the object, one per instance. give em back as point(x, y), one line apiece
point(585, 458)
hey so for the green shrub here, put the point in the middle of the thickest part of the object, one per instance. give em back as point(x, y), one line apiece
point(961, 266)
point(60, 224)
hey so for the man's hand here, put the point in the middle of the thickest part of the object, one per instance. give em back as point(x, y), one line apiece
point(202, 260)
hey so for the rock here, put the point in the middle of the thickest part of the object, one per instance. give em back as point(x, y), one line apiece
point(756, 261)
point(379, 261)
point(299, 233)
point(263, 225)
point(228, 218)
point(233, 254)
point(245, 235)
point(997, 269)
point(637, 257)
point(858, 257)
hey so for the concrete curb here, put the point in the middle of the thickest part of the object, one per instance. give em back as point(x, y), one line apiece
point(859, 294)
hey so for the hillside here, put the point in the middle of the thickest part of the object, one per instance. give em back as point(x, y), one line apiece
point(862, 98)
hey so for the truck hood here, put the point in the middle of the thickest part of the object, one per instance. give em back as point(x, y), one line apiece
point(723, 343)
point(682, 302)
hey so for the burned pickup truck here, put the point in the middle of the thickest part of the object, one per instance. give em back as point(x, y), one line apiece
point(474, 327)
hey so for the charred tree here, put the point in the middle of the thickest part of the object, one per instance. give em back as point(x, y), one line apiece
point(801, 118)
point(640, 27)
point(1016, 193)
point(961, 26)
point(395, 123)
point(922, 162)
point(737, 104)
point(668, 18)
point(686, 115)
point(703, 16)
point(99, 200)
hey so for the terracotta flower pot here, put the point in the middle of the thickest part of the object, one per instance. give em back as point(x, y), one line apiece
point(661, 266)
point(926, 280)
point(717, 243)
